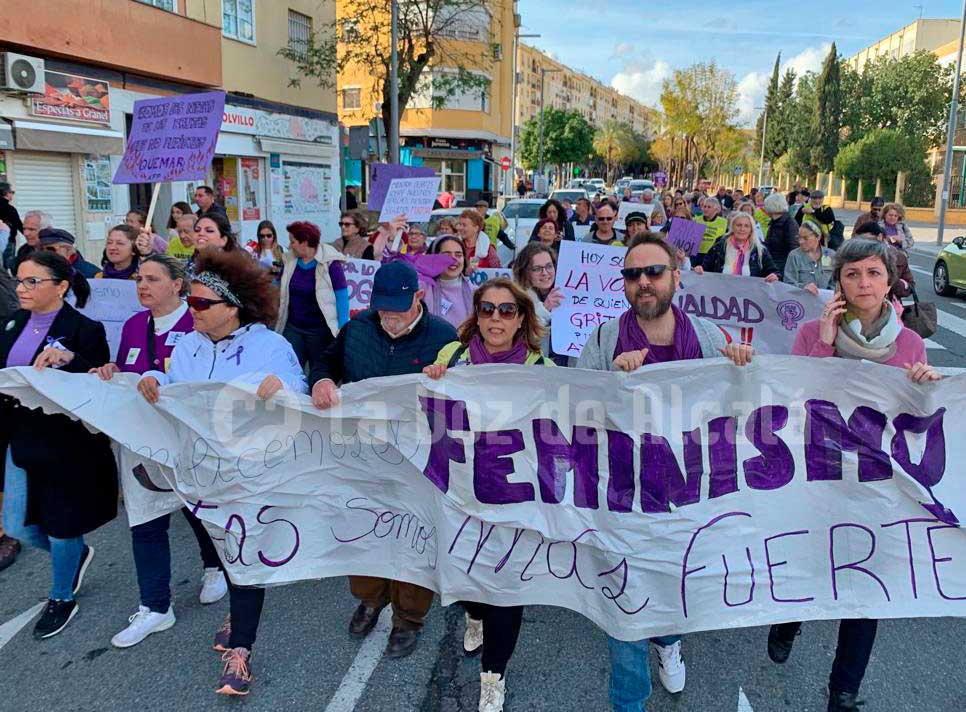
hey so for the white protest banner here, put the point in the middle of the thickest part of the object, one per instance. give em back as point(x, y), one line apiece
point(482, 274)
point(747, 309)
point(112, 302)
point(623, 210)
point(412, 197)
point(671, 500)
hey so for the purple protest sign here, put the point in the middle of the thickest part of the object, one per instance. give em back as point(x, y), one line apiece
point(382, 174)
point(686, 234)
point(172, 138)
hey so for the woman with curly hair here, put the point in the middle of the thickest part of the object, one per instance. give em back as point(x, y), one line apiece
point(553, 210)
point(503, 328)
point(354, 241)
point(232, 302)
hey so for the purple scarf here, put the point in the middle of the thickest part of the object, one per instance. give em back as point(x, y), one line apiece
point(111, 273)
point(631, 337)
point(479, 354)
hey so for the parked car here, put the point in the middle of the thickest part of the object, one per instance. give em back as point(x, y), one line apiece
point(949, 270)
point(521, 215)
point(620, 184)
point(595, 184)
point(639, 186)
point(571, 195)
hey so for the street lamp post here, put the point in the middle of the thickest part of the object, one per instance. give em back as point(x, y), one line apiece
point(951, 131)
point(508, 189)
point(764, 131)
point(394, 83)
point(543, 73)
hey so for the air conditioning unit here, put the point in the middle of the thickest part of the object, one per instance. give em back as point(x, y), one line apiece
point(22, 74)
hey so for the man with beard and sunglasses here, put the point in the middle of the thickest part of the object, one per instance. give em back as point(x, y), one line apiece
point(653, 330)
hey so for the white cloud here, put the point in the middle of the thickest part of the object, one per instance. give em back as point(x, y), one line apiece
point(753, 86)
point(623, 49)
point(642, 82)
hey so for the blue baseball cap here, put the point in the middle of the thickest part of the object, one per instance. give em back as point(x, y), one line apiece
point(393, 287)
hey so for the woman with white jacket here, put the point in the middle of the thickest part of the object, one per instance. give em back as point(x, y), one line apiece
point(535, 269)
point(232, 300)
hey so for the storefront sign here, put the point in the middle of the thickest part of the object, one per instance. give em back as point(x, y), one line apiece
point(172, 138)
point(74, 98)
point(447, 153)
point(242, 120)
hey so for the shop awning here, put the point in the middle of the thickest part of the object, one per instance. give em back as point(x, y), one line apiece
point(302, 149)
point(37, 136)
point(6, 136)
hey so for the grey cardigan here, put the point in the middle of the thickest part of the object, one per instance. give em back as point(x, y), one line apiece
point(598, 353)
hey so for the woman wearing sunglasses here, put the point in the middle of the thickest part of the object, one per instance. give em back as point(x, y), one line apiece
point(47, 503)
point(147, 342)
point(270, 254)
point(354, 240)
point(232, 301)
point(502, 329)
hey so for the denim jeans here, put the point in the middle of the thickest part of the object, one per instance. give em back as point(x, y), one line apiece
point(152, 558)
point(65, 554)
point(630, 672)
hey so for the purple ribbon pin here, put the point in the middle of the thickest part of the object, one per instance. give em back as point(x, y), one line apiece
point(236, 355)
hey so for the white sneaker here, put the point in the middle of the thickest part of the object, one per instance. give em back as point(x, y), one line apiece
point(141, 625)
point(492, 692)
point(213, 586)
point(473, 637)
point(671, 667)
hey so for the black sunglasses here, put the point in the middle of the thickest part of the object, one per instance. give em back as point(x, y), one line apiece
point(507, 310)
point(652, 271)
point(601, 218)
point(265, 234)
point(203, 303)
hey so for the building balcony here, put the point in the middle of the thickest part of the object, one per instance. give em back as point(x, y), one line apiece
point(125, 35)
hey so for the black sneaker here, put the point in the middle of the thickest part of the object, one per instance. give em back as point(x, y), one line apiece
point(85, 561)
point(843, 701)
point(780, 642)
point(55, 618)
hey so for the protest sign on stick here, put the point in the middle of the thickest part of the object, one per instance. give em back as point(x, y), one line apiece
point(112, 302)
point(382, 174)
point(171, 139)
point(412, 197)
point(686, 235)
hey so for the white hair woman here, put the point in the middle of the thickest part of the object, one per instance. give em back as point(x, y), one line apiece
point(739, 252)
point(858, 323)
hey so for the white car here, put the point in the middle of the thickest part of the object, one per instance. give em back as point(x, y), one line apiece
point(595, 184)
point(505, 254)
point(521, 216)
point(639, 186)
point(570, 194)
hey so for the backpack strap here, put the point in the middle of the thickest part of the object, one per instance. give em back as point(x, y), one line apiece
point(454, 359)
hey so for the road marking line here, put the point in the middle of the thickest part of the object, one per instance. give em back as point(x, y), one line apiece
point(955, 324)
point(921, 271)
point(13, 626)
point(930, 344)
point(743, 704)
point(357, 676)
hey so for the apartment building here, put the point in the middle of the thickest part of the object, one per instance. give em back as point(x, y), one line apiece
point(73, 70)
point(466, 138)
point(925, 35)
point(567, 89)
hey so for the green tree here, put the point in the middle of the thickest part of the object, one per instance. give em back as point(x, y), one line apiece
point(797, 159)
point(614, 143)
point(910, 94)
point(828, 113)
point(359, 41)
point(776, 143)
point(772, 112)
point(700, 107)
point(883, 153)
point(567, 137)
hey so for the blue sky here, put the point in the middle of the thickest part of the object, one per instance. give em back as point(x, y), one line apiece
point(634, 49)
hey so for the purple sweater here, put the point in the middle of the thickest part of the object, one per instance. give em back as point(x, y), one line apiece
point(33, 335)
point(910, 347)
point(132, 354)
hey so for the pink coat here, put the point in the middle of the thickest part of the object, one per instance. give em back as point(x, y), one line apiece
point(910, 348)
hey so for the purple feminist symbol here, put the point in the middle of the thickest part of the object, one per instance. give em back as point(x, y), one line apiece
point(791, 312)
point(236, 355)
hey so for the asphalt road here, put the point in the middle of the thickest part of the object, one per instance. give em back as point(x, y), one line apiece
point(304, 659)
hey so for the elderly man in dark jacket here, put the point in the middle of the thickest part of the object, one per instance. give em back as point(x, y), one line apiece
point(782, 236)
point(396, 336)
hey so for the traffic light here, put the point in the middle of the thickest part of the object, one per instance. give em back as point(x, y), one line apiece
point(576, 171)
